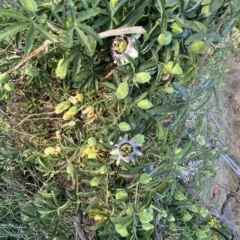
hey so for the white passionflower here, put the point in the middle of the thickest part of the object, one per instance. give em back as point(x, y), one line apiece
point(120, 45)
point(126, 150)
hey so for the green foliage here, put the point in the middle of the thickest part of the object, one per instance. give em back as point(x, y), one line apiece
point(70, 104)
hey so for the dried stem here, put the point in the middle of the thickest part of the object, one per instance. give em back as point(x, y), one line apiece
point(80, 233)
point(211, 209)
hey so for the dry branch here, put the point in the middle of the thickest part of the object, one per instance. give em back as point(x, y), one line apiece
point(211, 209)
point(80, 233)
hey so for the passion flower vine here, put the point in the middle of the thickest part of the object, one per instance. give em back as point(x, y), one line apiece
point(126, 150)
point(121, 45)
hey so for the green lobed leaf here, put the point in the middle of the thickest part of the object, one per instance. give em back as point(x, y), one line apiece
point(179, 196)
point(12, 30)
point(83, 39)
point(91, 32)
point(176, 28)
point(121, 229)
point(84, 15)
point(8, 13)
point(144, 104)
point(124, 127)
point(122, 90)
point(61, 107)
point(139, 139)
point(164, 38)
point(29, 39)
point(44, 32)
point(70, 113)
point(10, 87)
point(167, 109)
point(121, 194)
point(30, 5)
point(147, 226)
point(215, 5)
point(32, 71)
point(145, 178)
point(142, 77)
point(173, 68)
point(95, 181)
point(92, 142)
point(186, 217)
point(61, 71)
point(4, 77)
point(198, 46)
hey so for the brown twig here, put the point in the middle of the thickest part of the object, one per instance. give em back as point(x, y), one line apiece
point(211, 209)
point(220, 232)
point(34, 115)
point(157, 232)
point(80, 233)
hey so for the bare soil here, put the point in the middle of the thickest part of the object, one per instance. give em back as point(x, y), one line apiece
point(227, 119)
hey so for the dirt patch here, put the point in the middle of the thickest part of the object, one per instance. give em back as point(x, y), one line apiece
point(227, 119)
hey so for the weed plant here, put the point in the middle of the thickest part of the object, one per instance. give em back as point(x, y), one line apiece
point(107, 126)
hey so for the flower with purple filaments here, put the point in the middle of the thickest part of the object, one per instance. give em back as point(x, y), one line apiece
point(126, 150)
point(120, 45)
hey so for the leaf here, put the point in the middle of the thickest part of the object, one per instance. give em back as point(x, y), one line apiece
point(95, 181)
point(215, 5)
point(201, 234)
point(92, 142)
point(164, 38)
point(176, 28)
point(91, 32)
point(169, 90)
point(121, 229)
point(84, 15)
point(142, 77)
point(83, 39)
point(62, 107)
point(124, 127)
point(193, 208)
point(31, 5)
point(8, 13)
point(173, 68)
point(32, 71)
point(205, 99)
point(139, 139)
point(103, 169)
point(198, 46)
point(44, 32)
point(144, 104)
point(147, 226)
point(66, 37)
point(137, 13)
point(50, 151)
point(145, 178)
point(12, 30)
point(122, 90)
point(4, 77)
point(186, 217)
point(70, 113)
point(167, 109)
point(70, 169)
point(61, 71)
point(179, 196)
point(121, 194)
point(29, 39)
point(9, 87)
point(109, 86)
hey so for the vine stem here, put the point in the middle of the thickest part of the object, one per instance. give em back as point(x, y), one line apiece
point(45, 46)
